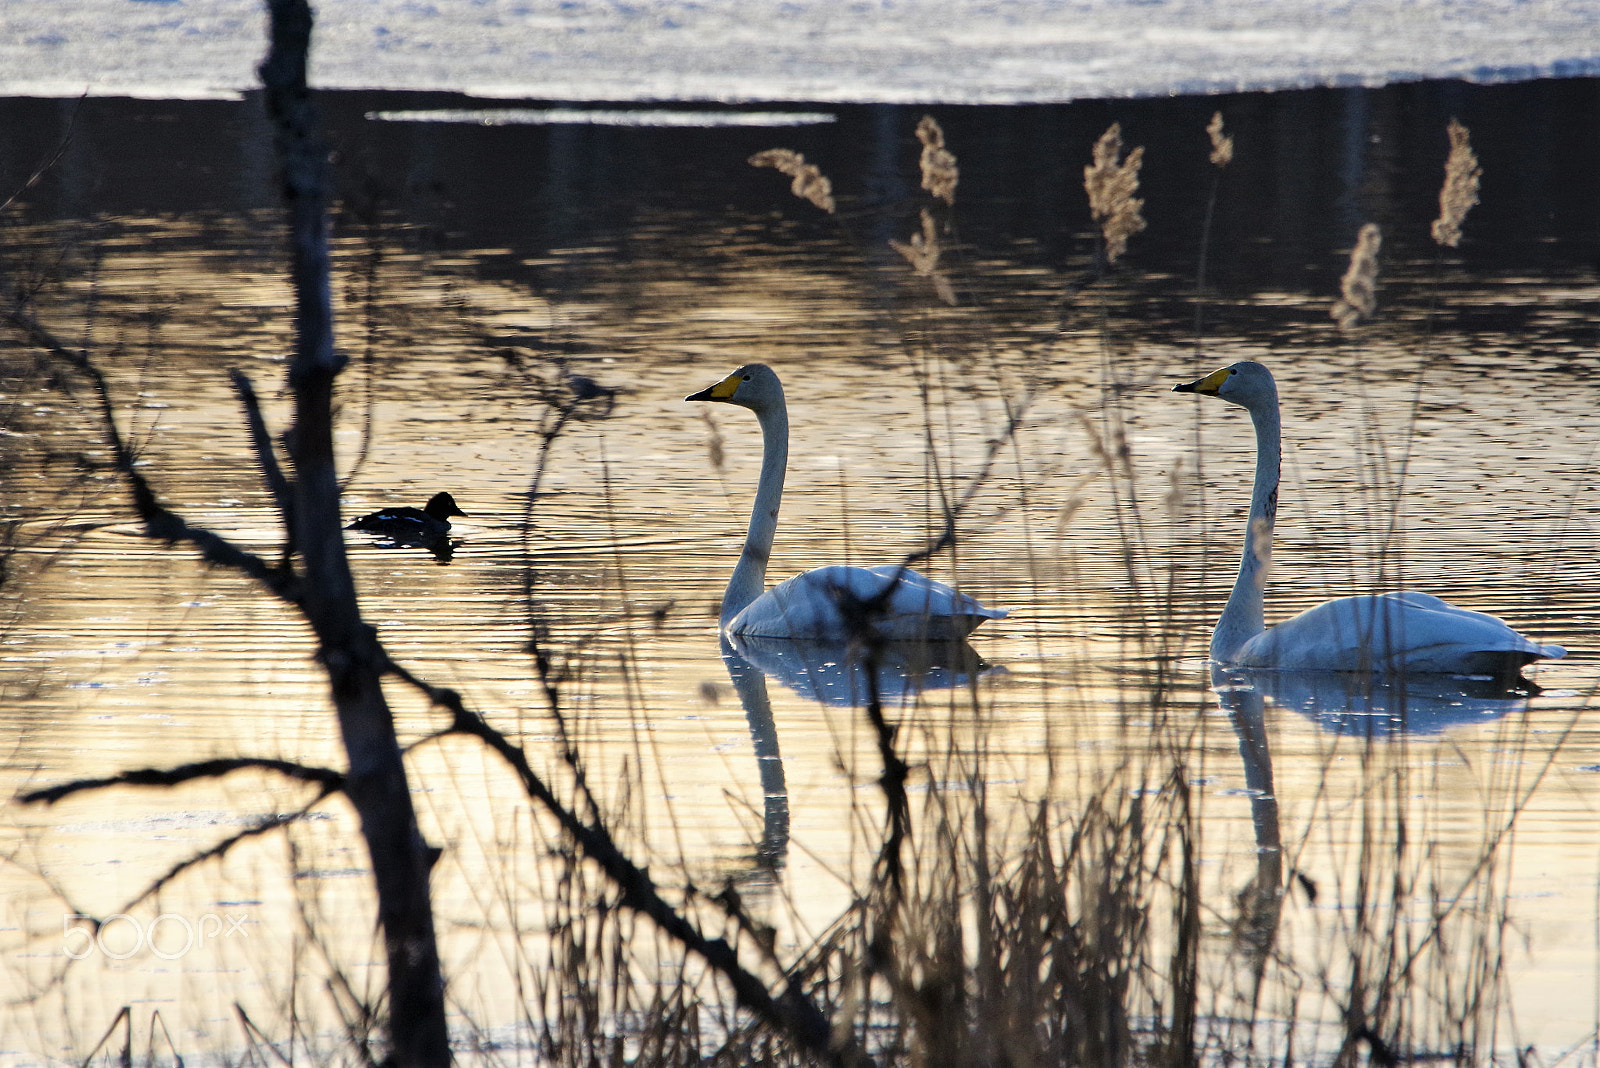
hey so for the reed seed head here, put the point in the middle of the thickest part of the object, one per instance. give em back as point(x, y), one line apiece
point(1069, 511)
point(1360, 284)
point(1097, 442)
point(715, 450)
point(1261, 545)
point(939, 171)
point(1111, 182)
point(1221, 143)
point(1460, 189)
point(809, 182)
point(1177, 488)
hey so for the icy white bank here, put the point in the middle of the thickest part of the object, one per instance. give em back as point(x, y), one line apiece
point(954, 51)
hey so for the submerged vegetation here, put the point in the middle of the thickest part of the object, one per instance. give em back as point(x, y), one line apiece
point(1077, 912)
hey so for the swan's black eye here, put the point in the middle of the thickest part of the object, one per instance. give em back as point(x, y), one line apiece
point(1233, 370)
point(747, 378)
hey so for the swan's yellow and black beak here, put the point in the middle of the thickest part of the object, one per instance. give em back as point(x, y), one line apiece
point(1208, 385)
point(722, 391)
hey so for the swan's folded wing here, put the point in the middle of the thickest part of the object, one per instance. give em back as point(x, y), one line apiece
point(1394, 632)
point(917, 595)
point(900, 604)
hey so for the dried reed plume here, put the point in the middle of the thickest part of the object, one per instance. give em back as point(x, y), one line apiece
point(1261, 546)
point(1360, 284)
point(1111, 185)
point(809, 182)
point(923, 255)
point(939, 171)
point(1460, 191)
point(1221, 143)
point(1108, 441)
point(715, 445)
point(1177, 489)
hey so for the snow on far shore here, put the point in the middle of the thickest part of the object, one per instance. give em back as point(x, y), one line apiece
point(923, 51)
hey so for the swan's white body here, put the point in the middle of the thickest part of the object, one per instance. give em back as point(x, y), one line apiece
point(810, 606)
point(1390, 633)
point(898, 603)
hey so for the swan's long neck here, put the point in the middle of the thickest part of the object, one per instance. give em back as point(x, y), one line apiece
point(1243, 617)
point(749, 579)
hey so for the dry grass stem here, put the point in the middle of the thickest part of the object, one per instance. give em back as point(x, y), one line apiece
point(1221, 143)
point(809, 182)
point(939, 171)
point(1460, 190)
point(1111, 182)
point(1360, 284)
point(922, 252)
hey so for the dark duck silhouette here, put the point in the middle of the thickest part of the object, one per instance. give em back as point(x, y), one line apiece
point(411, 525)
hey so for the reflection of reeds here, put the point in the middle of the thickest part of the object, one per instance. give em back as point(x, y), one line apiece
point(922, 252)
point(1415, 962)
point(809, 181)
point(939, 171)
point(1460, 190)
point(1360, 283)
point(1111, 182)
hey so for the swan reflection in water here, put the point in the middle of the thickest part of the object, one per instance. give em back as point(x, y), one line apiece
point(751, 686)
point(831, 673)
point(1260, 900)
point(1373, 706)
point(1345, 703)
point(842, 673)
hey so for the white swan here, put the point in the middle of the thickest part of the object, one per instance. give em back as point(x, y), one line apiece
point(1391, 633)
point(900, 604)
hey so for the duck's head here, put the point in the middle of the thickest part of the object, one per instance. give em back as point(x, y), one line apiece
point(442, 506)
point(754, 386)
point(1246, 383)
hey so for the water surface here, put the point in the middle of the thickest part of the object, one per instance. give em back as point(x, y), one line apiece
point(1448, 446)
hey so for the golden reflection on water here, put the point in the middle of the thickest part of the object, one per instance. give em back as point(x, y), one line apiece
point(121, 654)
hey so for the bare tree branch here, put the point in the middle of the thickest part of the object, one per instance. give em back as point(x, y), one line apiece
point(159, 521)
point(255, 830)
point(205, 769)
point(790, 1012)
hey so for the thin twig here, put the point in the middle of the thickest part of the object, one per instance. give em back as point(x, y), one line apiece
point(261, 439)
point(51, 160)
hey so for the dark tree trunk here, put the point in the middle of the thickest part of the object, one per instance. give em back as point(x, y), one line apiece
point(347, 646)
